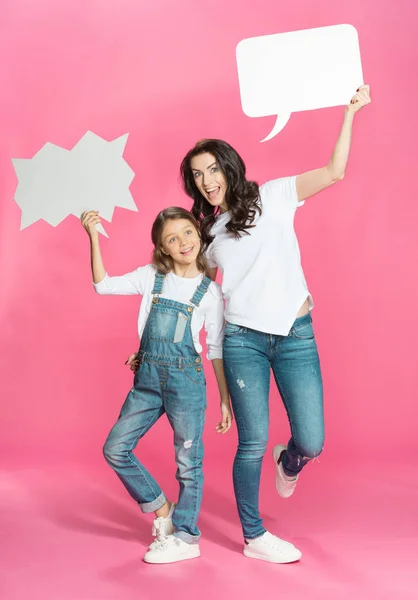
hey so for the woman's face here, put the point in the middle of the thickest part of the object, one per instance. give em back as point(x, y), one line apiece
point(209, 179)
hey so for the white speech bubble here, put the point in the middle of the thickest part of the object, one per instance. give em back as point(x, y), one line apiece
point(300, 70)
point(57, 182)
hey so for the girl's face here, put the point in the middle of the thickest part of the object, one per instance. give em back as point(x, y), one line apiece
point(209, 179)
point(180, 239)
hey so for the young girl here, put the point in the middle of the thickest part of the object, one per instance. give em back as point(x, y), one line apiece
point(178, 299)
point(249, 233)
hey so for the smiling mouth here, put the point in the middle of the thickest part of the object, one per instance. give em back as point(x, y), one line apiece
point(187, 251)
point(212, 192)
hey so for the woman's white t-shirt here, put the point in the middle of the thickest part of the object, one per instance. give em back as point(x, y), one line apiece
point(263, 281)
point(209, 313)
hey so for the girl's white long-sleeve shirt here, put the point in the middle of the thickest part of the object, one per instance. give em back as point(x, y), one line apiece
point(209, 314)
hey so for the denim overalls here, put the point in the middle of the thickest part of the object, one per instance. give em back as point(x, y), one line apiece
point(169, 380)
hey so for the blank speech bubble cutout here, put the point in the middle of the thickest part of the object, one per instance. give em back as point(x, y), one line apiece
point(300, 70)
point(57, 182)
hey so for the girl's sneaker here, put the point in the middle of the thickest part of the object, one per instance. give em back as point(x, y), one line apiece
point(171, 549)
point(285, 485)
point(163, 527)
point(272, 549)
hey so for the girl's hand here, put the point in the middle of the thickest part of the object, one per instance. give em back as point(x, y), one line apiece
point(133, 362)
point(360, 99)
point(226, 423)
point(89, 220)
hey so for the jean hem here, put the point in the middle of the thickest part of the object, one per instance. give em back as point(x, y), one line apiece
point(148, 507)
point(249, 538)
point(186, 537)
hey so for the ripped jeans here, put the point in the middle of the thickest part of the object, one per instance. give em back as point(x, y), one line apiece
point(249, 356)
point(181, 394)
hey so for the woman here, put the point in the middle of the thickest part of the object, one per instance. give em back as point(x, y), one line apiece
point(248, 232)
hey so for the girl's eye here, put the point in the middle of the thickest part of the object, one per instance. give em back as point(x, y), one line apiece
point(189, 231)
point(173, 239)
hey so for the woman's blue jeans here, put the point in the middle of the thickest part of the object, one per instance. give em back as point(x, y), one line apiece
point(249, 356)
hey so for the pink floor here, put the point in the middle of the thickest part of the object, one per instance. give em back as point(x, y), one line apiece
point(70, 532)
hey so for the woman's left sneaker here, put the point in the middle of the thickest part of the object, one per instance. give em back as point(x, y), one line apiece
point(171, 549)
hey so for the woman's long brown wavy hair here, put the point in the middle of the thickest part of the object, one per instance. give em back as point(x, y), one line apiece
point(242, 196)
point(162, 261)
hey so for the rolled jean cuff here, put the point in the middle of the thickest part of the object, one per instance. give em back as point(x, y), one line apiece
point(186, 537)
point(261, 532)
point(148, 507)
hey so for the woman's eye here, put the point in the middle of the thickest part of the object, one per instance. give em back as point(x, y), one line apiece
point(196, 175)
point(214, 169)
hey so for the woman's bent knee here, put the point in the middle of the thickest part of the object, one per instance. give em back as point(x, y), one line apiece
point(312, 451)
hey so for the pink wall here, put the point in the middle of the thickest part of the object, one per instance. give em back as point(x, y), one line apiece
point(165, 72)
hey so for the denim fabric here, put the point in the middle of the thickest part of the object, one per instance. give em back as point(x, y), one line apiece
point(170, 380)
point(249, 357)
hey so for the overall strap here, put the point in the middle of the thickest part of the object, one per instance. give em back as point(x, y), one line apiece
point(158, 284)
point(201, 291)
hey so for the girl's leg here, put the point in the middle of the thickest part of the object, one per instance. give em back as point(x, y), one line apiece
point(164, 511)
point(247, 370)
point(185, 405)
point(142, 408)
point(297, 372)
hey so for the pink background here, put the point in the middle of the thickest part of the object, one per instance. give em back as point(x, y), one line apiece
point(165, 72)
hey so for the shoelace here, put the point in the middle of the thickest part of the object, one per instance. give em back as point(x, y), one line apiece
point(158, 527)
point(291, 480)
point(161, 543)
point(277, 543)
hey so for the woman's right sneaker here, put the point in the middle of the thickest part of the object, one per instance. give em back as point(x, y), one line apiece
point(270, 548)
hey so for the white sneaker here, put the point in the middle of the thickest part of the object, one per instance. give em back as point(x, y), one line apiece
point(171, 549)
point(285, 485)
point(163, 527)
point(272, 549)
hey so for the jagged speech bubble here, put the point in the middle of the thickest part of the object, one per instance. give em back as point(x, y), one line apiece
point(300, 70)
point(57, 182)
